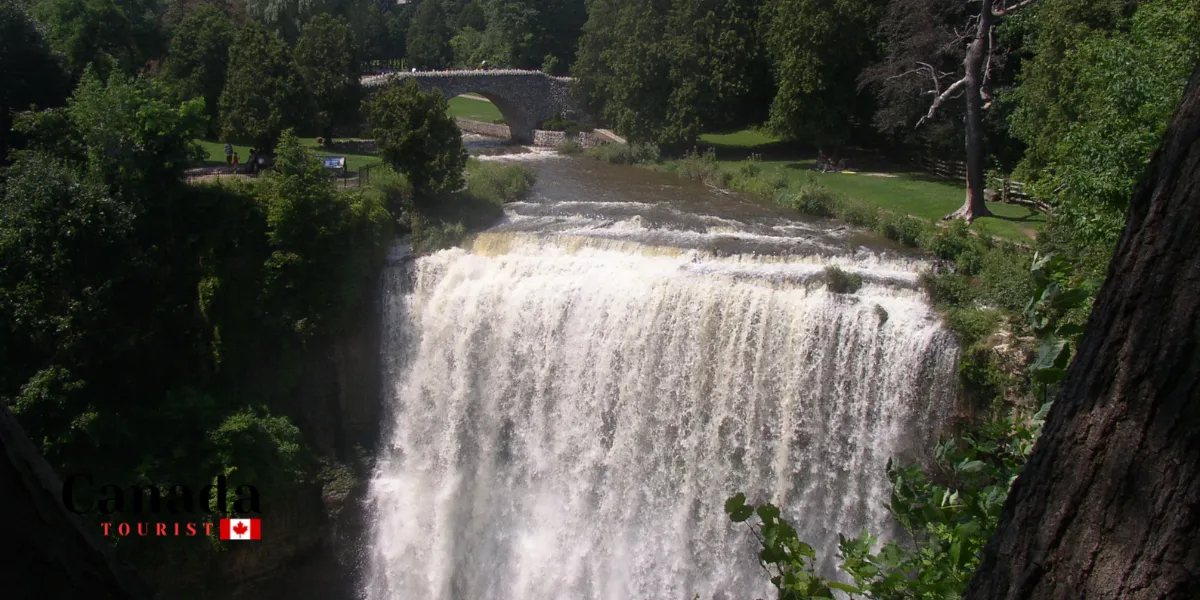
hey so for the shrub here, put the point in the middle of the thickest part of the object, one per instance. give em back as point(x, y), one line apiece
point(1003, 279)
point(901, 228)
point(948, 289)
point(858, 212)
point(950, 242)
point(392, 188)
point(972, 324)
point(569, 146)
point(842, 282)
point(625, 154)
point(433, 235)
point(499, 183)
point(700, 167)
point(814, 199)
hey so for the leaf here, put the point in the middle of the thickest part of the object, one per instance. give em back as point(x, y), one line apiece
point(973, 466)
point(1048, 376)
point(1069, 299)
point(741, 514)
point(845, 587)
point(735, 502)
point(1048, 354)
point(1069, 330)
point(768, 513)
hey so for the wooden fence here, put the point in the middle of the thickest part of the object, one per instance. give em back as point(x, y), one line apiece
point(1005, 190)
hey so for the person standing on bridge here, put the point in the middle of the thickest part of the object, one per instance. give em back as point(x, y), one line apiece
point(228, 154)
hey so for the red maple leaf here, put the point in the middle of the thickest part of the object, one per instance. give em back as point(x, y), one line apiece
point(240, 528)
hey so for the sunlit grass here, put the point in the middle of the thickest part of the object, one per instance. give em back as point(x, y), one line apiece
point(475, 108)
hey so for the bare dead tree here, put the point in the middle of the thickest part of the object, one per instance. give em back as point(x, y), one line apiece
point(973, 85)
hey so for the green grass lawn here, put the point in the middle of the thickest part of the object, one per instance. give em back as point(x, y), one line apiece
point(905, 190)
point(475, 108)
point(216, 154)
point(746, 138)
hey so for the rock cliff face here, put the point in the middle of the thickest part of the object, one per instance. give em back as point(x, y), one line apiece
point(51, 553)
point(310, 543)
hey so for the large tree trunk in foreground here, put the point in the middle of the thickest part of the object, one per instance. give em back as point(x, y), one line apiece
point(1109, 503)
point(977, 54)
point(49, 553)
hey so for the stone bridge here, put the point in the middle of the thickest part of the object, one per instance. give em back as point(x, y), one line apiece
point(525, 98)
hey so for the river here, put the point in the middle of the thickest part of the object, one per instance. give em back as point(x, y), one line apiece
point(574, 394)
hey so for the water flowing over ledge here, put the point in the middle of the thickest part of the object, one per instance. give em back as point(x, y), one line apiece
point(569, 411)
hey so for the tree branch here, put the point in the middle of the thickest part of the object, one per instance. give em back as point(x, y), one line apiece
point(942, 98)
point(1000, 12)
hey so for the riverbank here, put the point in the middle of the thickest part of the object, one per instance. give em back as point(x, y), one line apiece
point(980, 283)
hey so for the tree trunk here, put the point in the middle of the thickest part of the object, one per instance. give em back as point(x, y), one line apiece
point(977, 54)
point(1109, 503)
point(50, 553)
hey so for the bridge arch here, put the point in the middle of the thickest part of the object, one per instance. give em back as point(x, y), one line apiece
point(524, 98)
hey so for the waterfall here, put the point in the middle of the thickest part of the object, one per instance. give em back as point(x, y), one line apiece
point(568, 420)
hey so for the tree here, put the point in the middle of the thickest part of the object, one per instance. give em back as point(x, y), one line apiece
point(471, 15)
point(198, 58)
point(429, 37)
point(385, 36)
point(818, 49)
point(718, 70)
point(623, 68)
point(1109, 504)
point(1093, 116)
point(287, 17)
point(263, 93)
point(104, 32)
point(327, 59)
point(30, 73)
point(975, 85)
point(416, 137)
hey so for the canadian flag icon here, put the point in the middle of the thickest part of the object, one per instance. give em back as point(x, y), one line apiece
point(240, 529)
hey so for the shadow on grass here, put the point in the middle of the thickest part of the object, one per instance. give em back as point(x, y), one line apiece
point(1030, 217)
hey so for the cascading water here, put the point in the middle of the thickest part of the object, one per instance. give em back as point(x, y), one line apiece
point(570, 410)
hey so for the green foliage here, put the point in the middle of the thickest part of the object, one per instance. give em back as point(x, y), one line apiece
point(499, 183)
point(971, 324)
point(198, 57)
point(264, 94)
point(570, 126)
point(105, 34)
point(818, 48)
point(287, 18)
point(429, 235)
point(252, 445)
point(901, 228)
point(1048, 313)
point(811, 199)
point(417, 138)
point(110, 265)
point(699, 167)
point(569, 146)
point(949, 512)
point(659, 71)
point(30, 73)
point(949, 289)
point(1095, 100)
point(429, 38)
point(625, 154)
point(842, 282)
point(314, 233)
point(326, 58)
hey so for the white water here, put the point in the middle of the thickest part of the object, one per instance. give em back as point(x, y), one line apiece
point(569, 419)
